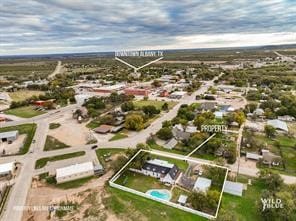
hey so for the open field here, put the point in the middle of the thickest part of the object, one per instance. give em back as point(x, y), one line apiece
point(28, 129)
point(25, 112)
point(157, 104)
point(133, 207)
point(22, 70)
point(43, 161)
point(22, 95)
point(118, 136)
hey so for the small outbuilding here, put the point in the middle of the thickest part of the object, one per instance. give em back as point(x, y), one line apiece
point(9, 136)
point(202, 184)
point(182, 200)
point(103, 129)
point(7, 169)
point(233, 188)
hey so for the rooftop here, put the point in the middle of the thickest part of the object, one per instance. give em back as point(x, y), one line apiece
point(74, 169)
point(8, 134)
point(6, 167)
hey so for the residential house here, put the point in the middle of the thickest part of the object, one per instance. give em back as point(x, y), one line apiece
point(179, 132)
point(165, 171)
point(287, 118)
point(279, 125)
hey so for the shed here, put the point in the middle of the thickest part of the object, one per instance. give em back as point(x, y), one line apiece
point(202, 184)
point(253, 156)
point(233, 188)
point(170, 144)
point(182, 199)
point(6, 168)
point(218, 114)
point(9, 136)
point(103, 129)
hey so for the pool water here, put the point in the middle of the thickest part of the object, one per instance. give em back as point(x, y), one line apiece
point(160, 194)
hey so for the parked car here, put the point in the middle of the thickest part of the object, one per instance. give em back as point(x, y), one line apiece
point(94, 147)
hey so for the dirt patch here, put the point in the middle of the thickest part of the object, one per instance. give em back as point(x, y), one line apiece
point(14, 147)
point(88, 198)
point(69, 130)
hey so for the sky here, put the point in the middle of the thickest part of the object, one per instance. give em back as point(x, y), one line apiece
point(66, 26)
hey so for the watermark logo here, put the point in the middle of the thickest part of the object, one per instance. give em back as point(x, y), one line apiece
point(271, 203)
point(121, 54)
point(213, 128)
point(138, 53)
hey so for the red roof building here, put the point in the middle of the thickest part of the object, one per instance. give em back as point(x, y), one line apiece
point(136, 91)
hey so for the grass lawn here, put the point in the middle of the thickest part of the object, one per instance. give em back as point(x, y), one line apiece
point(177, 192)
point(43, 161)
point(133, 207)
point(28, 129)
point(52, 143)
point(93, 124)
point(25, 112)
point(118, 136)
point(139, 182)
point(157, 104)
point(54, 125)
point(244, 207)
point(107, 152)
point(22, 95)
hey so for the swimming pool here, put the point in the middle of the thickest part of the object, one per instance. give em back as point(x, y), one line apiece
point(160, 194)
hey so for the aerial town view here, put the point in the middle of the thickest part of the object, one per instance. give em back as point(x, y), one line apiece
point(147, 110)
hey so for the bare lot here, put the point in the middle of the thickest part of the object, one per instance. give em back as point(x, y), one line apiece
point(70, 132)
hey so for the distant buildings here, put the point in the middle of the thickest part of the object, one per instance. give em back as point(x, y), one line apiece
point(137, 91)
point(109, 89)
point(177, 94)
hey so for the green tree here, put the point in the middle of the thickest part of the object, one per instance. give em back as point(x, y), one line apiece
point(127, 106)
point(239, 117)
point(134, 122)
point(165, 133)
point(272, 180)
point(165, 106)
point(150, 110)
point(270, 131)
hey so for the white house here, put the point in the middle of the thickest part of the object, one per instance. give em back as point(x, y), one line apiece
point(74, 172)
point(278, 124)
point(165, 171)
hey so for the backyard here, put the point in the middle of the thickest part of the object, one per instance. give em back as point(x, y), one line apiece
point(139, 182)
point(158, 104)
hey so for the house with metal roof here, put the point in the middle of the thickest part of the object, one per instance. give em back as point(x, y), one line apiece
point(9, 136)
point(202, 184)
point(233, 188)
point(165, 171)
point(170, 144)
point(278, 124)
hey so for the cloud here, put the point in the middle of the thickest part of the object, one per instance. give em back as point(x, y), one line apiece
point(57, 26)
